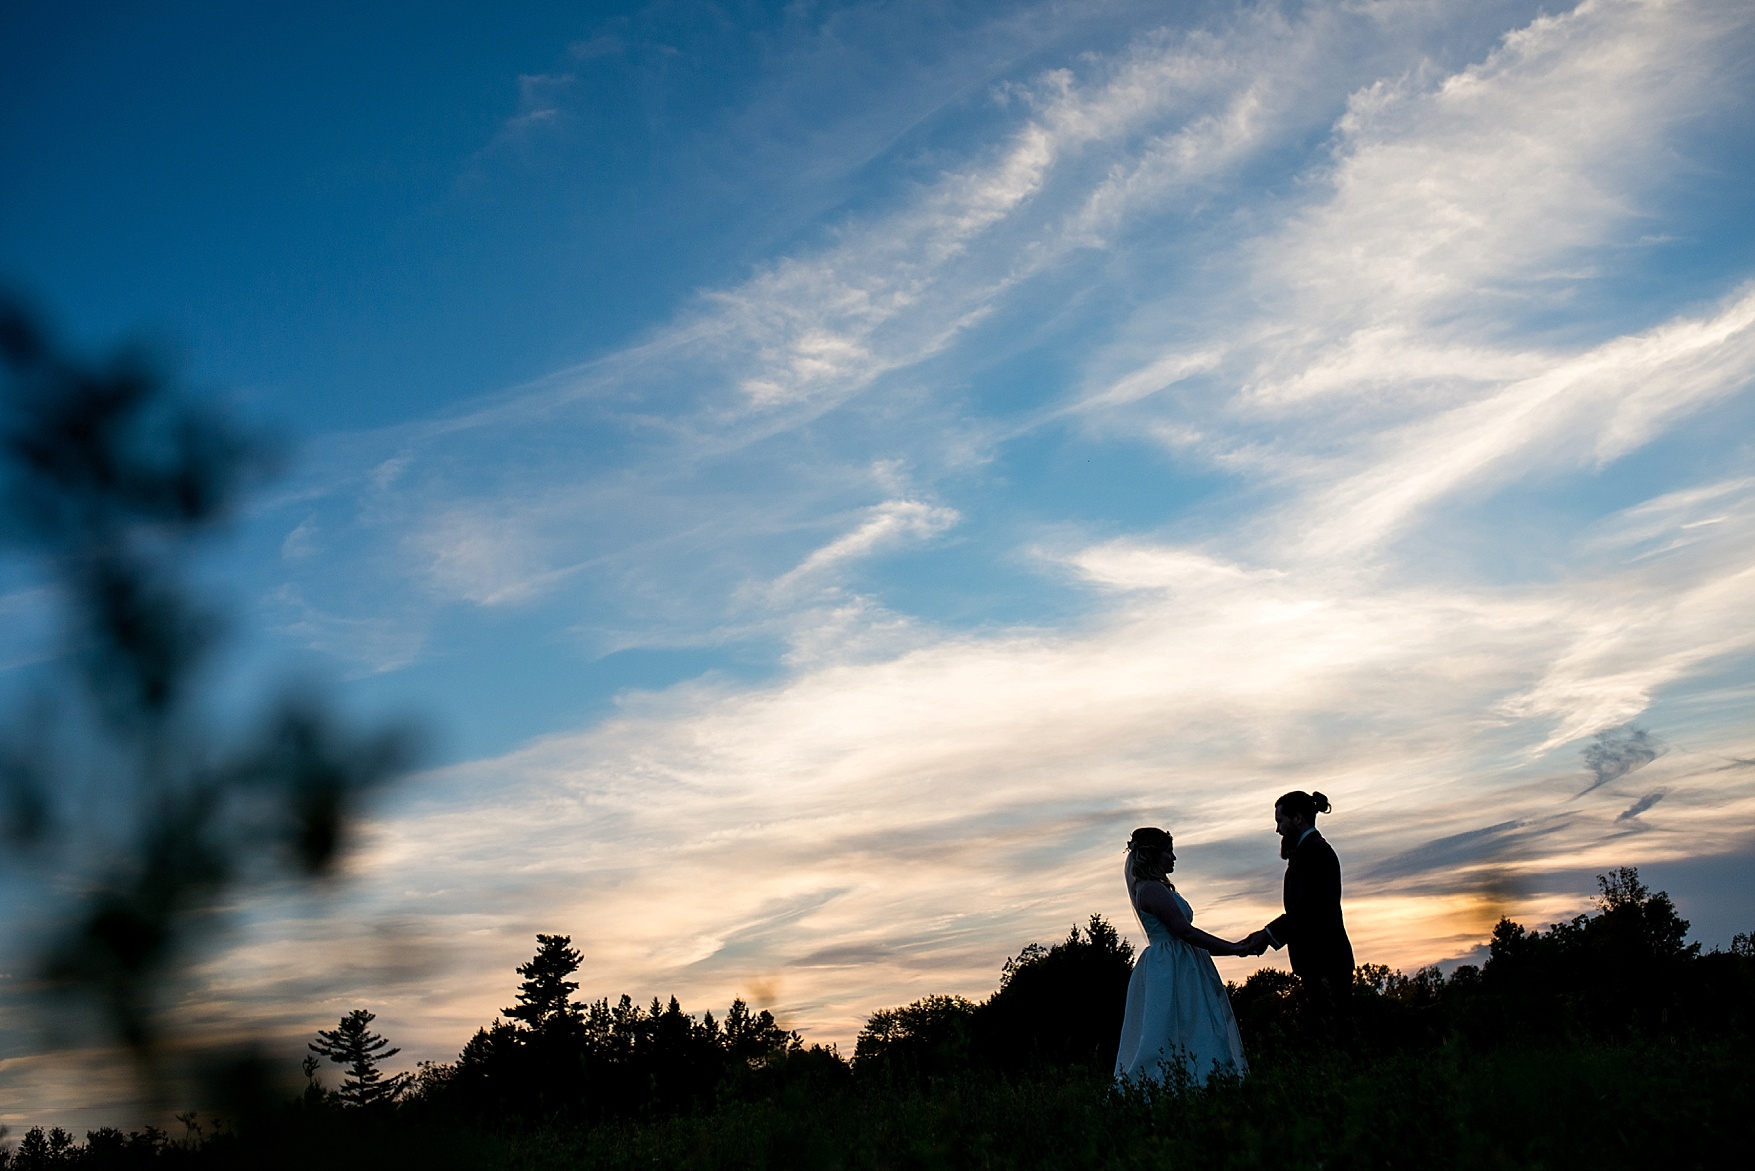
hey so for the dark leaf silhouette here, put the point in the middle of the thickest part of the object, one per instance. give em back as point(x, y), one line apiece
point(135, 812)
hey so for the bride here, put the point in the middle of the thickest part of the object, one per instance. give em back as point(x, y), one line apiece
point(1177, 1009)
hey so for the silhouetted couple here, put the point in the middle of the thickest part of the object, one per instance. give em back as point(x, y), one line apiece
point(1177, 1008)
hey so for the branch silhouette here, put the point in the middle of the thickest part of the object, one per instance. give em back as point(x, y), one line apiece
point(137, 814)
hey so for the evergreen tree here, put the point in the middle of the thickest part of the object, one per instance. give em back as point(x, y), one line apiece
point(545, 998)
point(353, 1044)
point(753, 1037)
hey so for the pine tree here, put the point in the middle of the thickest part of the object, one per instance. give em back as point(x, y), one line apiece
point(545, 998)
point(752, 1037)
point(354, 1045)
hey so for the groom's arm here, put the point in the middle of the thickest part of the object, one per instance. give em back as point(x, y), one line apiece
point(1283, 929)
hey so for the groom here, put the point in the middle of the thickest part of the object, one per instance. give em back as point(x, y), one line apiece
point(1311, 926)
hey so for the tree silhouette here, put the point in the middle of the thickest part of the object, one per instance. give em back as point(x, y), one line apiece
point(545, 998)
point(1059, 1005)
point(1642, 922)
point(929, 1038)
point(353, 1044)
point(753, 1037)
point(1619, 969)
point(554, 1057)
point(40, 1148)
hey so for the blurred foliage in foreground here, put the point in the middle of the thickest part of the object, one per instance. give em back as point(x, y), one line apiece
point(139, 804)
point(1604, 1042)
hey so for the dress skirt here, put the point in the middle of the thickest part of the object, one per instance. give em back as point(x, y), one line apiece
point(1177, 1013)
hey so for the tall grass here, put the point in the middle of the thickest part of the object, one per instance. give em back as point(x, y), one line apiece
point(1545, 1104)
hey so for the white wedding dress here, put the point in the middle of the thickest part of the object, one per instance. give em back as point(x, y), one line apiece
point(1177, 1010)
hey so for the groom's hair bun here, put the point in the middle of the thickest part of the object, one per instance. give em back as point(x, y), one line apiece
point(1302, 804)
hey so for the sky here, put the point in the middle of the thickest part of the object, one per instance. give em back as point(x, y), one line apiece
point(823, 473)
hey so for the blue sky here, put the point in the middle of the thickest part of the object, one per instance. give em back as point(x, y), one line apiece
point(825, 473)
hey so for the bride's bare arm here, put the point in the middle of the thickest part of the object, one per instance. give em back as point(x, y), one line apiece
point(1153, 897)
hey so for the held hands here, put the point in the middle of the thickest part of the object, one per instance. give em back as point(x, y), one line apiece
point(1254, 945)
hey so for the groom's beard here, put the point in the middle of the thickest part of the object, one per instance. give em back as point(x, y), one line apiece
point(1287, 845)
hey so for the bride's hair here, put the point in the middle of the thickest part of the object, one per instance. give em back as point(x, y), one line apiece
point(1145, 854)
point(1301, 804)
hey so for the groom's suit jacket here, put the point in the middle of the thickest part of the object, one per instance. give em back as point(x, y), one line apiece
point(1312, 926)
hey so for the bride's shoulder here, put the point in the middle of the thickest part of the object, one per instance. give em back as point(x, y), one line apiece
point(1153, 890)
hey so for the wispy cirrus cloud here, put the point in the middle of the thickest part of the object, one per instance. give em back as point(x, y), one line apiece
point(887, 524)
point(1588, 409)
point(768, 365)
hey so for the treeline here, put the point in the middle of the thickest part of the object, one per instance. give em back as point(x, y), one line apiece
point(1626, 971)
point(552, 1057)
point(1056, 1006)
point(1606, 1040)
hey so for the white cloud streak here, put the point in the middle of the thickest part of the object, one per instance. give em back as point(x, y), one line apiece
point(1586, 410)
point(887, 524)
